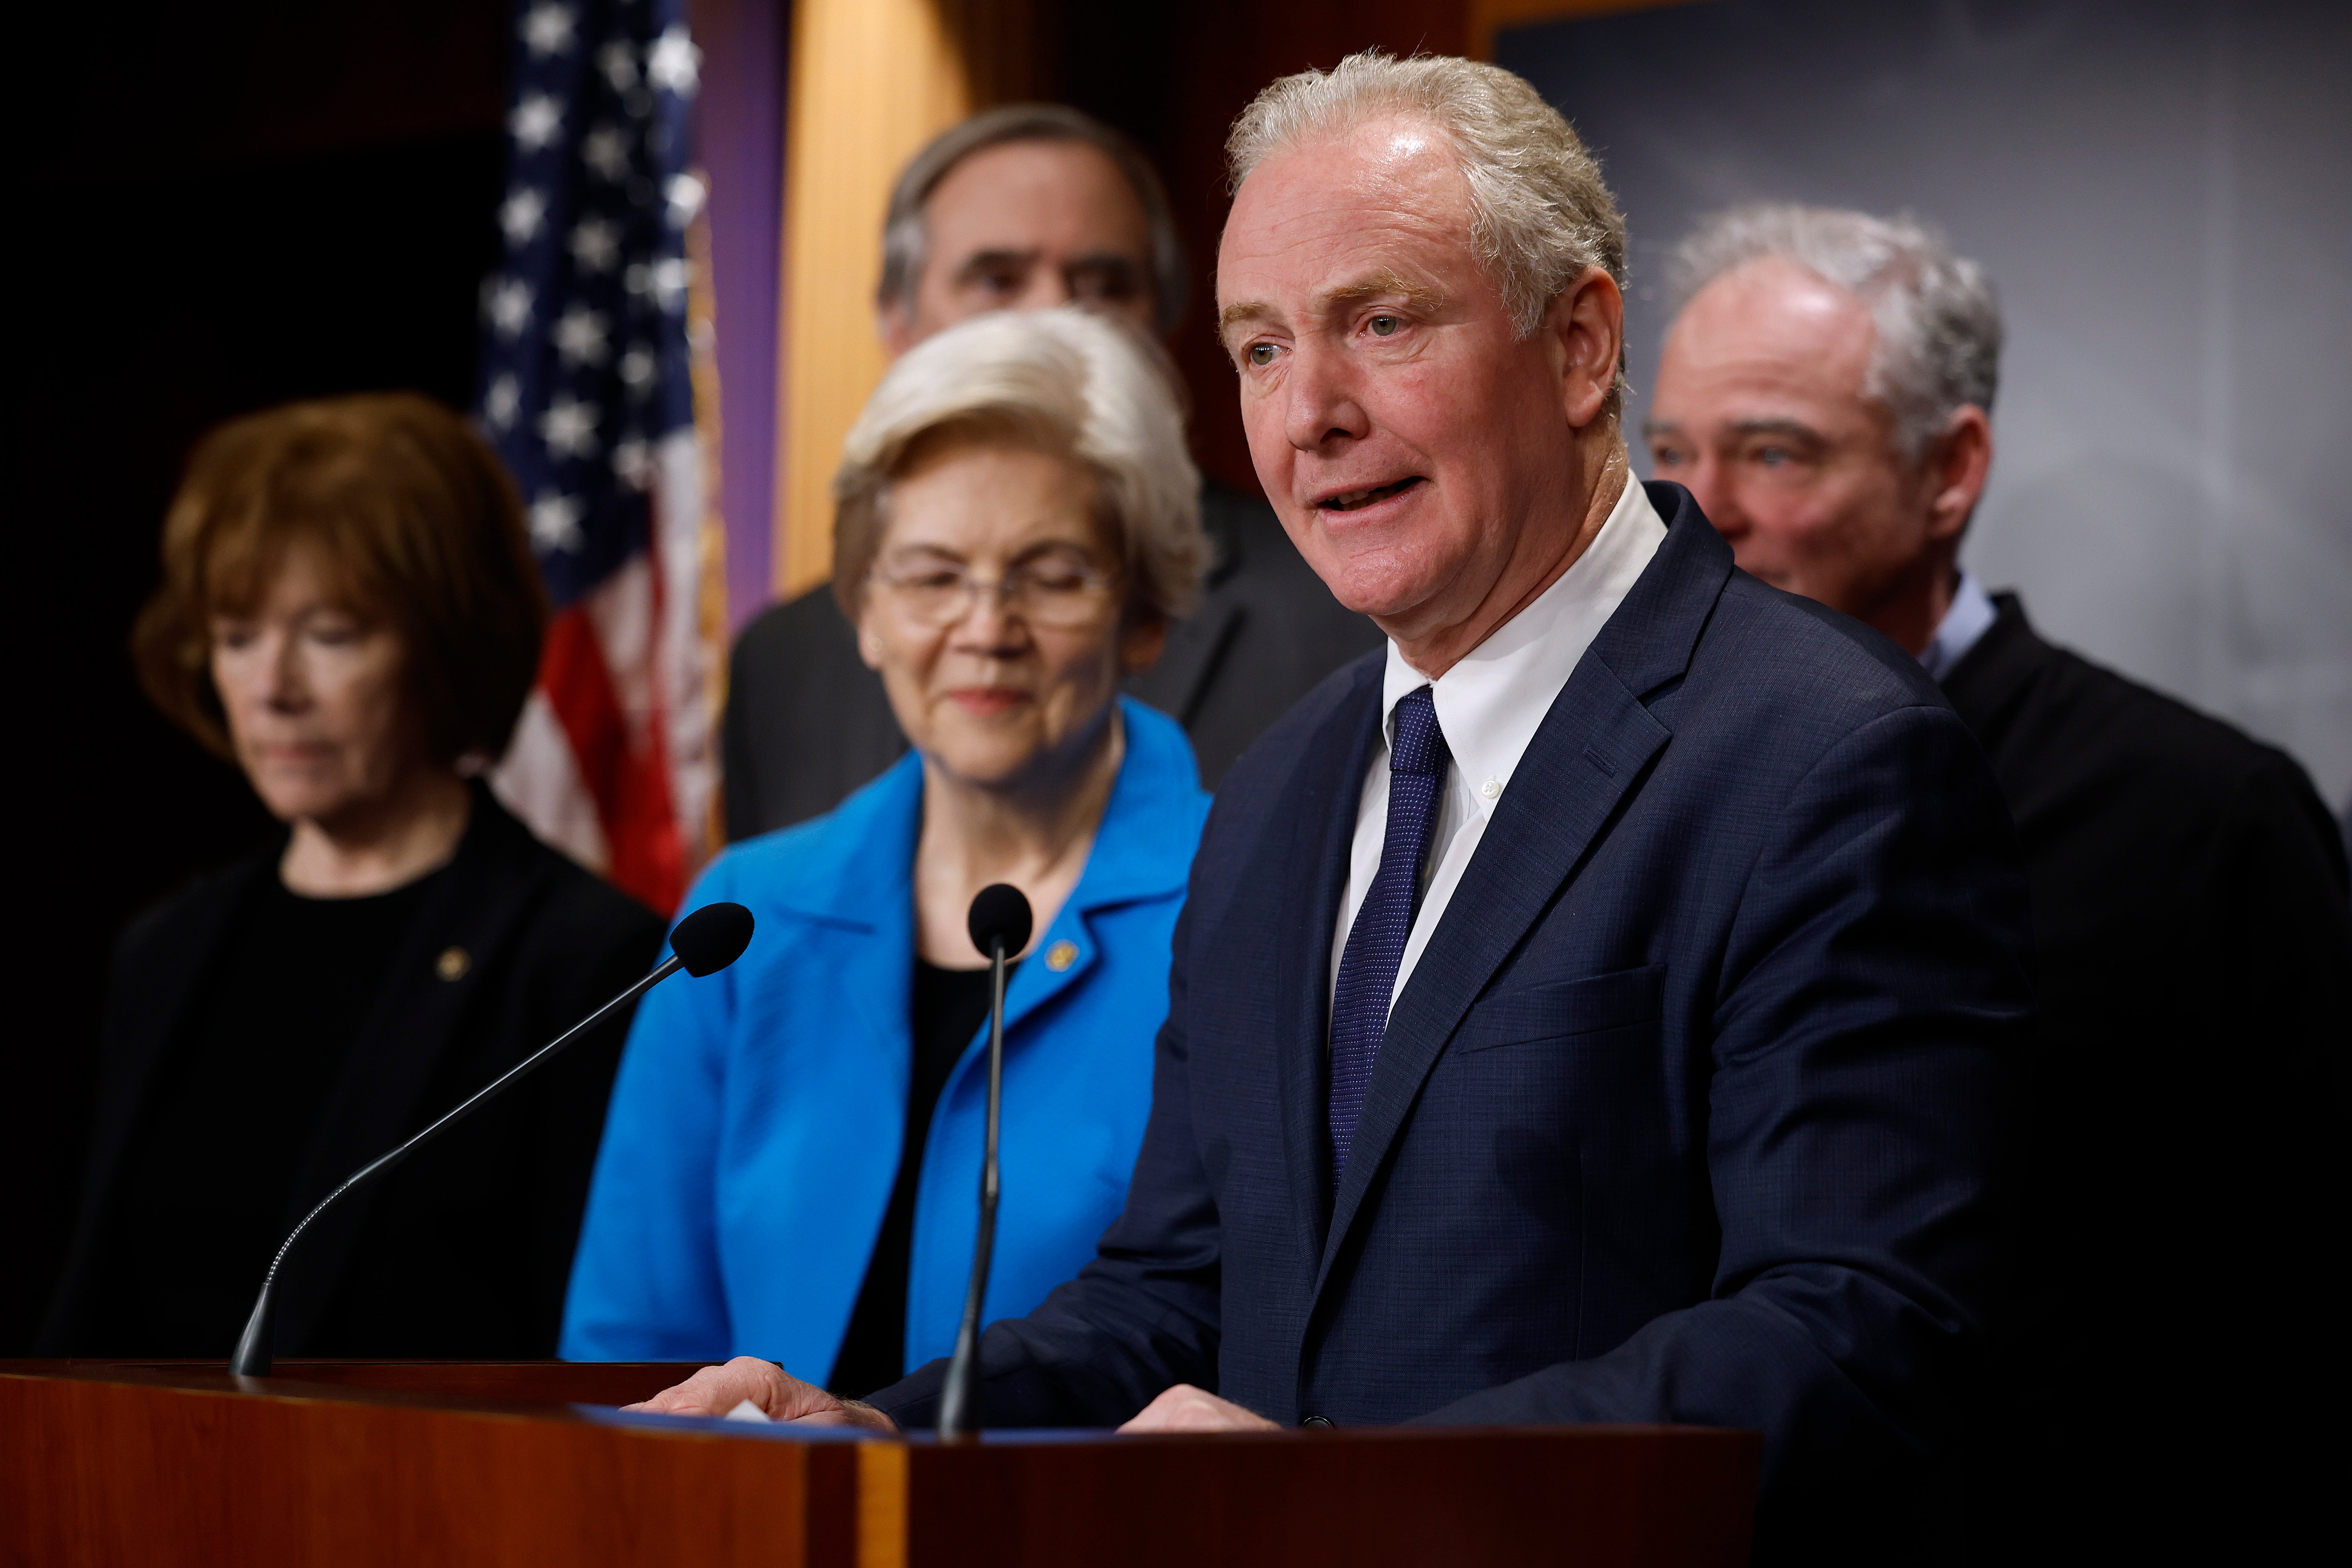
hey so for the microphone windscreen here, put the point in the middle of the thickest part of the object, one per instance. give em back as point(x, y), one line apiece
point(712, 938)
point(1000, 913)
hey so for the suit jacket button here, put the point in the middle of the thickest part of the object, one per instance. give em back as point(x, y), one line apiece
point(1316, 1421)
point(452, 963)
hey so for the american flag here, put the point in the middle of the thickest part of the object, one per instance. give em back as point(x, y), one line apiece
point(588, 392)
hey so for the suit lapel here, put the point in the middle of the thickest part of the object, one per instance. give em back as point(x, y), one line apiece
point(477, 908)
point(1984, 687)
point(1592, 750)
point(1592, 747)
point(1317, 827)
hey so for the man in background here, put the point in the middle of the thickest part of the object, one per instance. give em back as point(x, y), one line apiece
point(1024, 208)
point(1825, 392)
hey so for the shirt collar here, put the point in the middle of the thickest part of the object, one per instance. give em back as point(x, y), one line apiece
point(1969, 617)
point(860, 857)
point(1490, 703)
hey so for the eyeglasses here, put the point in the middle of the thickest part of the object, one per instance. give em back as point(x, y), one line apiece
point(1053, 594)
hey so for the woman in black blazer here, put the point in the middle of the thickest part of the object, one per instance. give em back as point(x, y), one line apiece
point(350, 611)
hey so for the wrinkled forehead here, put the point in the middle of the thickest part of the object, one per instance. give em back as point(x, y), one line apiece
point(1387, 198)
point(1768, 341)
point(1774, 311)
point(1034, 194)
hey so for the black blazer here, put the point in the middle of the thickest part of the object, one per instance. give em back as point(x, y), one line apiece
point(1693, 1108)
point(463, 1250)
point(2178, 1250)
point(807, 722)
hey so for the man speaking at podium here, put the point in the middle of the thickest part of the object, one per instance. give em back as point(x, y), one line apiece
point(1599, 1006)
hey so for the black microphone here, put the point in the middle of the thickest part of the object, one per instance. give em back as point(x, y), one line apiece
point(1000, 924)
point(704, 942)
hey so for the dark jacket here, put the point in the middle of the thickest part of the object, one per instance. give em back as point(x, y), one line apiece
point(807, 722)
point(1691, 1110)
point(463, 1250)
point(2194, 950)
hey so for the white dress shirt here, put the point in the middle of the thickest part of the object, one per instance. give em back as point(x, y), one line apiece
point(1489, 706)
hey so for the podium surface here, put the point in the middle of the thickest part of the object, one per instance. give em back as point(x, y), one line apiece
point(526, 1463)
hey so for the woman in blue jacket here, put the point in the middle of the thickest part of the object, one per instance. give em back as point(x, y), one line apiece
point(791, 1158)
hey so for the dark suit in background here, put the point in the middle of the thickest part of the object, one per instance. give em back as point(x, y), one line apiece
point(1692, 1111)
point(465, 1250)
point(807, 722)
point(2194, 975)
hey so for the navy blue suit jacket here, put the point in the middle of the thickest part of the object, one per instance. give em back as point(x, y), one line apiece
point(1692, 1110)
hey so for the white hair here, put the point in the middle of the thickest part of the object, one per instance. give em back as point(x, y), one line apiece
point(1938, 346)
point(1540, 214)
point(1065, 380)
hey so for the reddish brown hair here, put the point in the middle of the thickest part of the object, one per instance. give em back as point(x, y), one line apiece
point(417, 525)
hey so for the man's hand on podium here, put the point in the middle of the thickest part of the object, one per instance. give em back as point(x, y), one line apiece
point(717, 1390)
point(1184, 1408)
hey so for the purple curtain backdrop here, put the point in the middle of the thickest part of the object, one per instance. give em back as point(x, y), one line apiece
point(741, 137)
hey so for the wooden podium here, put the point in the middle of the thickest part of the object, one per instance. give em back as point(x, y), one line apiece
point(361, 1463)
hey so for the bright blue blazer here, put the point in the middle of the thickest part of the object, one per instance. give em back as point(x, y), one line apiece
point(755, 1127)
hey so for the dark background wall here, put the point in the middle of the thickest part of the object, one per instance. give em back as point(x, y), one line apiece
point(253, 201)
point(2162, 192)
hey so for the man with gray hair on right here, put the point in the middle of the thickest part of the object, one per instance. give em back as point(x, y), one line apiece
point(1825, 392)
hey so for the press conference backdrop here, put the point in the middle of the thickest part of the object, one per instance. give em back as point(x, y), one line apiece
point(2162, 192)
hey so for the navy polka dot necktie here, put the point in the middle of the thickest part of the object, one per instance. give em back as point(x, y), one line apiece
point(1368, 964)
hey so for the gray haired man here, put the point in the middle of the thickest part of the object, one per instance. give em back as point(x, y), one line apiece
point(1599, 1005)
point(1826, 393)
point(1022, 208)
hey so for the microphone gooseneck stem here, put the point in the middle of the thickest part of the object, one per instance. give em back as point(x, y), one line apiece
point(253, 1347)
point(960, 1395)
